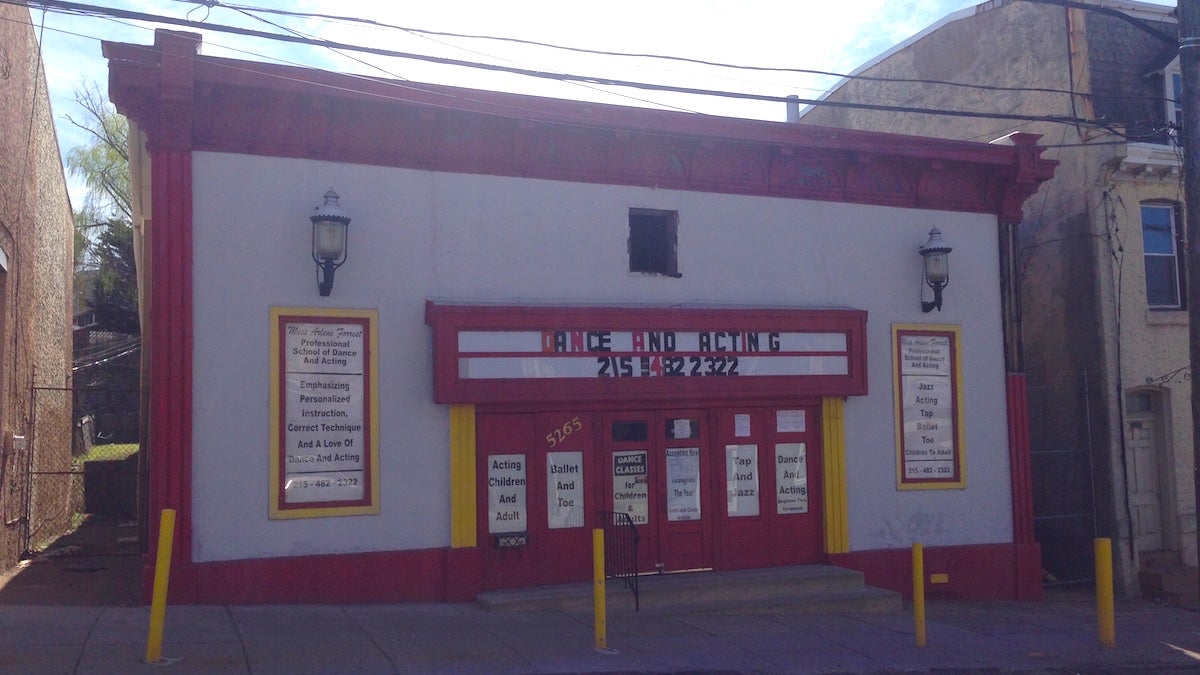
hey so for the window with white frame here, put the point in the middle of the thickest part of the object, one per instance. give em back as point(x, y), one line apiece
point(1175, 104)
point(1172, 82)
point(1164, 263)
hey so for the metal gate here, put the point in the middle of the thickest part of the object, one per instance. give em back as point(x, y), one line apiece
point(67, 474)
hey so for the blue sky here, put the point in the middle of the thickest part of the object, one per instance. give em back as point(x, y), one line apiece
point(834, 36)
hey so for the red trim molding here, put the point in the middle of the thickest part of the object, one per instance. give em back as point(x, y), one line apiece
point(280, 111)
point(451, 322)
point(1029, 558)
point(170, 446)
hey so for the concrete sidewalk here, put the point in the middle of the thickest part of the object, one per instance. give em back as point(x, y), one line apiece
point(1056, 635)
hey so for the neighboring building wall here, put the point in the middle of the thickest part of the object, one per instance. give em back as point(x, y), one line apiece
point(1154, 360)
point(1072, 265)
point(35, 291)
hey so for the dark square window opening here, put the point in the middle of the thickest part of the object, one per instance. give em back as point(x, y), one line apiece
point(652, 242)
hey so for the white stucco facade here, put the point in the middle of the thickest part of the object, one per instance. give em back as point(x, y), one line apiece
point(420, 235)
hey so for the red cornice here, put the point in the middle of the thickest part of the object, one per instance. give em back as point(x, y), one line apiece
point(273, 110)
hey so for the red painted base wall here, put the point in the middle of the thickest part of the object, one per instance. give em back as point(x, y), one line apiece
point(401, 576)
point(987, 572)
point(982, 572)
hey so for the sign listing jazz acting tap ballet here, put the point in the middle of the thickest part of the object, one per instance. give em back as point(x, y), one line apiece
point(929, 414)
point(324, 441)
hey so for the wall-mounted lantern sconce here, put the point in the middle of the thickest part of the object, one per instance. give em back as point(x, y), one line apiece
point(329, 240)
point(935, 256)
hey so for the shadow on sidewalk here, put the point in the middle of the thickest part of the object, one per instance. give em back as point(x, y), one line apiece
point(97, 564)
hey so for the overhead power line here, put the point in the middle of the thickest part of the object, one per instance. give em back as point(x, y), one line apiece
point(100, 11)
point(249, 10)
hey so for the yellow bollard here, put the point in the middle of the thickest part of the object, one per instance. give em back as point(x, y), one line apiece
point(1105, 623)
point(162, 574)
point(601, 621)
point(918, 560)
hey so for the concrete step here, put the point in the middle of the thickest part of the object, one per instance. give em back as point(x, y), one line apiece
point(802, 589)
point(1171, 583)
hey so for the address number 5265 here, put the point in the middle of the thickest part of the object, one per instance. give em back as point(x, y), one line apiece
point(560, 434)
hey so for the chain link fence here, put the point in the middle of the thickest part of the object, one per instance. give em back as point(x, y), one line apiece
point(53, 492)
point(69, 473)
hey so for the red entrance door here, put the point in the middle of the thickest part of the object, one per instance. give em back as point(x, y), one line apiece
point(770, 469)
point(660, 474)
point(685, 530)
point(564, 464)
point(504, 497)
point(534, 502)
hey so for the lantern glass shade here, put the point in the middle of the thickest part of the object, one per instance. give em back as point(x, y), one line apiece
point(937, 267)
point(329, 239)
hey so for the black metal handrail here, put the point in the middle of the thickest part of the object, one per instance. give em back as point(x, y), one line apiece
point(620, 550)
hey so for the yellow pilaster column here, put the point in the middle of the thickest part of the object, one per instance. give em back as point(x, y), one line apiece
point(462, 476)
point(833, 474)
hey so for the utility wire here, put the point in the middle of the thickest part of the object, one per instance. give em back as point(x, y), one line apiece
point(303, 35)
point(93, 10)
point(250, 12)
point(662, 57)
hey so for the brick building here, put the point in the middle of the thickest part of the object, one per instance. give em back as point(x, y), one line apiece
point(36, 261)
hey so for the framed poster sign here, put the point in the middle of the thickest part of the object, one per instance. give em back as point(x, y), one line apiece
point(324, 413)
point(929, 434)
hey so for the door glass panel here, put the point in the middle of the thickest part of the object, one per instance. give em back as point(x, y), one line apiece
point(564, 489)
point(630, 430)
point(506, 494)
point(631, 490)
point(741, 479)
point(791, 478)
point(678, 428)
point(683, 484)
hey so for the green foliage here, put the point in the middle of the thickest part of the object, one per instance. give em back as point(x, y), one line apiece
point(104, 162)
point(114, 286)
point(106, 274)
point(107, 452)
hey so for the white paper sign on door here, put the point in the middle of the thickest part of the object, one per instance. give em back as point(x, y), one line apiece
point(791, 478)
point(631, 489)
point(506, 494)
point(790, 421)
point(564, 489)
point(741, 480)
point(683, 484)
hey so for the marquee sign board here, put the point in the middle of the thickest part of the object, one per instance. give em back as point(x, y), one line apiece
point(503, 354)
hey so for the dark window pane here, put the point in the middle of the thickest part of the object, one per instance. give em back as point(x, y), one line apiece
point(1161, 281)
point(1158, 232)
point(630, 430)
point(652, 241)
